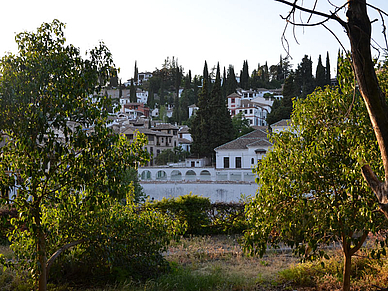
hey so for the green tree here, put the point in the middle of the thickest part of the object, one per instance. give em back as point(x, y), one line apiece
point(311, 192)
point(200, 127)
point(132, 92)
point(240, 125)
point(231, 82)
point(60, 152)
point(358, 29)
point(320, 76)
point(220, 121)
point(244, 76)
point(327, 70)
point(304, 80)
point(136, 73)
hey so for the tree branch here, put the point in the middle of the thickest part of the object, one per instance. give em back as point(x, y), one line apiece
point(314, 12)
point(60, 251)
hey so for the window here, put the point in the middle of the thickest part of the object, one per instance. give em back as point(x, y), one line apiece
point(238, 162)
point(232, 101)
point(252, 161)
point(246, 111)
point(226, 162)
point(150, 137)
point(250, 111)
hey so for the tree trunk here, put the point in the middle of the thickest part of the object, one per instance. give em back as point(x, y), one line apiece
point(359, 33)
point(347, 270)
point(42, 255)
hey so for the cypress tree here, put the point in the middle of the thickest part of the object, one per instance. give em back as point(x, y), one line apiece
point(200, 128)
point(150, 99)
point(231, 82)
point(328, 77)
point(221, 128)
point(135, 75)
point(320, 76)
point(132, 93)
point(244, 76)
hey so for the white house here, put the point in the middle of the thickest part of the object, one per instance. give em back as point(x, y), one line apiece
point(142, 96)
point(243, 152)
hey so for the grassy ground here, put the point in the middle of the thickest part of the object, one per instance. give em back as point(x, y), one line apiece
point(218, 263)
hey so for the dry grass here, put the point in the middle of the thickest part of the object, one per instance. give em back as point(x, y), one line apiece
point(203, 254)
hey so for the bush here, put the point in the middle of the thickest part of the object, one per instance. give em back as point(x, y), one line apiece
point(203, 217)
point(127, 244)
point(227, 218)
point(190, 210)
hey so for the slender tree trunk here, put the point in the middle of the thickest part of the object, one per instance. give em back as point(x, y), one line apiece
point(347, 271)
point(42, 260)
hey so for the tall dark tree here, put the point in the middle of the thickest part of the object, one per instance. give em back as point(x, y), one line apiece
point(200, 128)
point(151, 99)
point(132, 92)
point(224, 84)
point(327, 71)
point(231, 82)
point(304, 79)
point(221, 128)
point(244, 76)
point(206, 76)
point(320, 76)
point(136, 73)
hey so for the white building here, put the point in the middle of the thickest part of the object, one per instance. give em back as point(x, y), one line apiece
point(243, 152)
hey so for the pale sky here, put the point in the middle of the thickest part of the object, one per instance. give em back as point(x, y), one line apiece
point(149, 31)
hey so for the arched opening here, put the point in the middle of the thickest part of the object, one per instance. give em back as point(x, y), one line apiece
point(205, 175)
point(161, 175)
point(176, 175)
point(145, 175)
point(190, 175)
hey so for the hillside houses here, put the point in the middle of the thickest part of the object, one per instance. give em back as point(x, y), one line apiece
point(253, 104)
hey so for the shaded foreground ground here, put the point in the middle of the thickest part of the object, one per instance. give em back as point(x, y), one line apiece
point(218, 263)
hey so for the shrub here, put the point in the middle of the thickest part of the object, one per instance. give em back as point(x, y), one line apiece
point(190, 210)
point(120, 242)
point(227, 218)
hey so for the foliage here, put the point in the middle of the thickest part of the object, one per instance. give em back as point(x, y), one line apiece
point(241, 125)
point(128, 244)
point(131, 179)
point(311, 191)
point(190, 210)
point(60, 153)
point(226, 218)
point(175, 155)
point(212, 124)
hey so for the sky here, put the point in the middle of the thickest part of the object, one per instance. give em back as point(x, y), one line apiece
point(148, 31)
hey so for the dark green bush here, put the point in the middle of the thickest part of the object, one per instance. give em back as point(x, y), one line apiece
point(203, 217)
point(227, 218)
point(188, 209)
point(128, 243)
